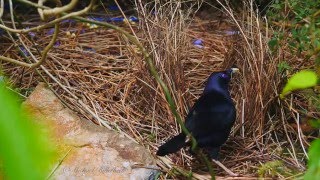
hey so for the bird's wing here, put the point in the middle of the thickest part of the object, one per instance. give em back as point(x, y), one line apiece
point(210, 119)
point(211, 112)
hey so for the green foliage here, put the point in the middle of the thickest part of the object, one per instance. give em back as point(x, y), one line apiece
point(24, 152)
point(313, 171)
point(152, 137)
point(315, 123)
point(301, 80)
point(283, 66)
point(269, 166)
point(297, 25)
point(313, 98)
point(302, 22)
point(273, 168)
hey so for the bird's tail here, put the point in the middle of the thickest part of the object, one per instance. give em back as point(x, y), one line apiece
point(173, 145)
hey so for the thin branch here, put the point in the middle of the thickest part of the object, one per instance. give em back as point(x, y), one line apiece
point(37, 28)
point(3, 58)
point(48, 47)
point(225, 168)
point(1, 8)
point(59, 10)
point(40, 10)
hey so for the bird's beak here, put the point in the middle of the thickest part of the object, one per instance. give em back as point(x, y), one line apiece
point(234, 70)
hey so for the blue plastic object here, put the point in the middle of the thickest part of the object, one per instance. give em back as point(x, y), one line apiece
point(198, 43)
point(68, 21)
point(230, 33)
point(113, 8)
point(50, 32)
point(133, 19)
point(57, 44)
point(100, 19)
point(24, 51)
point(89, 50)
point(114, 19)
point(2, 32)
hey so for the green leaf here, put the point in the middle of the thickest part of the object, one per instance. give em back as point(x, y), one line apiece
point(25, 151)
point(301, 80)
point(273, 43)
point(314, 161)
point(315, 123)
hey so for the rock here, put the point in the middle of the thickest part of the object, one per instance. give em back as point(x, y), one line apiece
point(86, 150)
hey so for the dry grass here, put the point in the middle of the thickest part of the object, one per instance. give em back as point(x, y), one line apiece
point(105, 79)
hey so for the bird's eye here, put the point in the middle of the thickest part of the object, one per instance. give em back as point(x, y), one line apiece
point(224, 75)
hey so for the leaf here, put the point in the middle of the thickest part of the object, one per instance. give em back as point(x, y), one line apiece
point(273, 43)
point(301, 80)
point(25, 150)
point(315, 123)
point(314, 161)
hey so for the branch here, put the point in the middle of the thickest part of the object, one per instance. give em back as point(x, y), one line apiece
point(48, 47)
point(56, 10)
point(1, 8)
point(57, 20)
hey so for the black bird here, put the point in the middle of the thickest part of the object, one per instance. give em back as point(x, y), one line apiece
point(210, 119)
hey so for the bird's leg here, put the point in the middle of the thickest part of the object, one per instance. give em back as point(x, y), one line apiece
point(213, 152)
point(224, 168)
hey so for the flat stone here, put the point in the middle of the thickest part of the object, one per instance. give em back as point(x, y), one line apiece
point(86, 150)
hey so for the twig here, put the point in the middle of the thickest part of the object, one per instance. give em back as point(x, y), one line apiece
point(59, 10)
point(225, 168)
point(59, 163)
point(1, 8)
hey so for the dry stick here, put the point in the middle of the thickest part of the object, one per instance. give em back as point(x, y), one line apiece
point(242, 117)
point(126, 19)
point(224, 168)
point(161, 83)
point(289, 139)
point(300, 134)
point(1, 8)
point(58, 10)
point(59, 163)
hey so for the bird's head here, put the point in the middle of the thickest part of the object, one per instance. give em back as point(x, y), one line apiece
point(219, 81)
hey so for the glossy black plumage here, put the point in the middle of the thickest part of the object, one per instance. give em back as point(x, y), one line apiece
point(210, 119)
